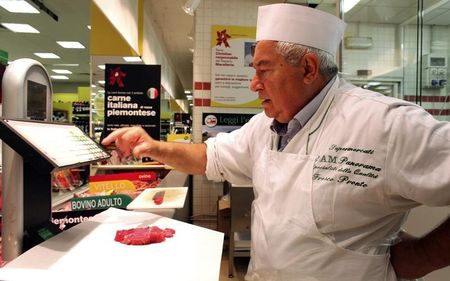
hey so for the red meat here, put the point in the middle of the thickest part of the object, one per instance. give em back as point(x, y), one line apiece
point(143, 235)
point(169, 232)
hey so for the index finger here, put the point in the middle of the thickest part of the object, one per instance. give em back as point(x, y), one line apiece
point(114, 135)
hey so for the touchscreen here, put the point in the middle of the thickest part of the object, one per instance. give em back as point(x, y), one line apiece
point(64, 144)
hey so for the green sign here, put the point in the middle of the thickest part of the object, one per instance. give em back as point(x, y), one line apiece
point(3, 57)
point(100, 202)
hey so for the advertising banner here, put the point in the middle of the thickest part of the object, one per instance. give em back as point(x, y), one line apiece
point(132, 97)
point(231, 66)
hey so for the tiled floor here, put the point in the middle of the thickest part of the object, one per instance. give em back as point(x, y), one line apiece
point(240, 264)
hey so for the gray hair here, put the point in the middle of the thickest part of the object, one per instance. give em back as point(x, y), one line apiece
point(292, 53)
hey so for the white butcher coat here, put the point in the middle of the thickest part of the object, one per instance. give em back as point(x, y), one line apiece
point(327, 206)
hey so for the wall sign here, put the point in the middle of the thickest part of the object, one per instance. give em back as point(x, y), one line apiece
point(231, 70)
point(214, 123)
point(132, 97)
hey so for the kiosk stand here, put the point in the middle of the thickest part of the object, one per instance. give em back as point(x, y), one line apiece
point(27, 93)
point(30, 156)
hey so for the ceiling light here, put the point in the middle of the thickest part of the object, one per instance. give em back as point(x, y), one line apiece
point(62, 71)
point(47, 55)
point(132, 59)
point(70, 44)
point(59, 77)
point(190, 6)
point(187, 92)
point(66, 64)
point(348, 5)
point(101, 82)
point(15, 6)
point(88, 27)
point(101, 66)
point(20, 27)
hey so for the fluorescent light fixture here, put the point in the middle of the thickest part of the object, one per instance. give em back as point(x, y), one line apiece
point(349, 4)
point(132, 59)
point(47, 55)
point(93, 86)
point(101, 66)
point(59, 77)
point(70, 44)
point(101, 82)
point(20, 27)
point(15, 6)
point(187, 92)
point(66, 64)
point(62, 71)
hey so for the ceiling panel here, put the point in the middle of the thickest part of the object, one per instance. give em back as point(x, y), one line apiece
point(379, 14)
point(437, 17)
point(73, 18)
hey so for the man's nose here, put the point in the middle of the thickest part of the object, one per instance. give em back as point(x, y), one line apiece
point(256, 85)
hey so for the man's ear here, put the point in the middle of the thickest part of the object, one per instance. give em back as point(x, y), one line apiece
point(310, 65)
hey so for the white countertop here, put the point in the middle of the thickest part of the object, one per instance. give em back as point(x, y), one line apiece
point(88, 251)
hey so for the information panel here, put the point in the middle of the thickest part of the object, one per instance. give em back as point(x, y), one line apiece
point(62, 144)
point(132, 98)
point(231, 66)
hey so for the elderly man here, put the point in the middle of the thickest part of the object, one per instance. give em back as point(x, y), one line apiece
point(335, 168)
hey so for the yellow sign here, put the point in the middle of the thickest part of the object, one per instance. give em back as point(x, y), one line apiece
point(231, 66)
point(116, 186)
point(179, 138)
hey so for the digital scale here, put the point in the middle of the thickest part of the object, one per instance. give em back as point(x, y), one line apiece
point(33, 148)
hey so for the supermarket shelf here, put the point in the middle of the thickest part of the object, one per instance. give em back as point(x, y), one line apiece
point(131, 167)
point(59, 198)
point(104, 168)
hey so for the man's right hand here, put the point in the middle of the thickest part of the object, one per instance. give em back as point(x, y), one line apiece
point(131, 140)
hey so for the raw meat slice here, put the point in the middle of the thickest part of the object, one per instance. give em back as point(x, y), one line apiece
point(158, 198)
point(143, 235)
point(169, 232)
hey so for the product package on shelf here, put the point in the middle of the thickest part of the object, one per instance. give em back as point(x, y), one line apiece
point(131, 183)
point(118, 159)
point(104, 191)
point(67, 179)
point(112, 190)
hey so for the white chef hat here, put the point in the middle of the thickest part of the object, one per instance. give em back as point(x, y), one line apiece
point(300, 25)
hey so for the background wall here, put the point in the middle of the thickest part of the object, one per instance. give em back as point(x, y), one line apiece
point(393, 56)
point(209, 13)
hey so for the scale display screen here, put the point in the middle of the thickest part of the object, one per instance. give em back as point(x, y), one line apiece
point(62, 144)
point(36, 100)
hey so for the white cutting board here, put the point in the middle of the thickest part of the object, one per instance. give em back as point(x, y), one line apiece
point(174, 197)
point(88, 251)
